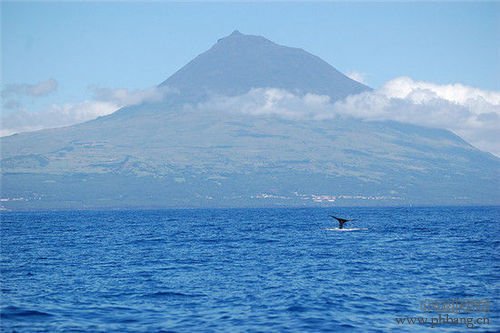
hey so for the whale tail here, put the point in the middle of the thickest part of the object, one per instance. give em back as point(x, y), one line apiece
point(341, 221)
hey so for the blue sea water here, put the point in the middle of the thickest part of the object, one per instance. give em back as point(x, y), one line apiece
point(245, 270)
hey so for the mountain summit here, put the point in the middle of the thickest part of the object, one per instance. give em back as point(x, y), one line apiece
point(238, 63)
point(176, 153)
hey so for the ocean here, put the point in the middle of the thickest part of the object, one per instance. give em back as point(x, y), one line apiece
point(249, 270)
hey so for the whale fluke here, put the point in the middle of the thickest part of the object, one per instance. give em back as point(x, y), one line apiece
point(341, 221)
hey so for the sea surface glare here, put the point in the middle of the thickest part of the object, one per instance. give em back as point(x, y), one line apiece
point(245, 270)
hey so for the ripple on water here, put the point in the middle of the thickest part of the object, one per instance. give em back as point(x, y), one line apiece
point(171, 294)
point(14, 312)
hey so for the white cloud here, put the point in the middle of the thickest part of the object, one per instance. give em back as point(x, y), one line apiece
point(272, 101)
point(405, 87)
point(54, 116)
point(472, 113)
point(39, 89)
point(357, 76)
point(131, 97)
point(105, 101)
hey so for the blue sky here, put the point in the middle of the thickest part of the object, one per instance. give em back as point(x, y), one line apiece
point(67, 49)
point(136, 45)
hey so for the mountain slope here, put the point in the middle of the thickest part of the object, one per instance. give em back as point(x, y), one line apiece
point(237, 63)
point(180, 153)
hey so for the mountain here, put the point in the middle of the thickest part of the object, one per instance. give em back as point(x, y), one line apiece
point(238, 63)
point(187, 151)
